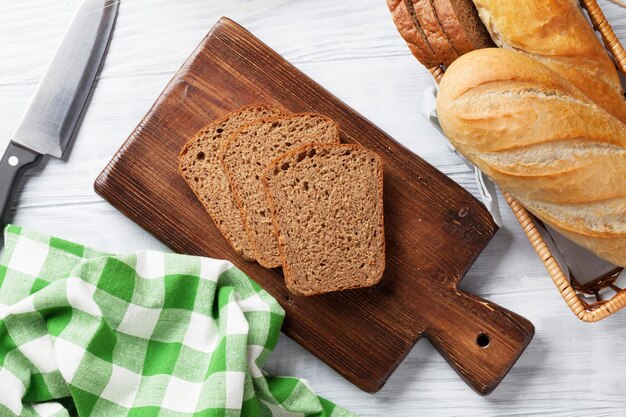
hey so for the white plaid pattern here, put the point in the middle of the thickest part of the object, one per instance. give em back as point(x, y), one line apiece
point(124, 333)
point(11, 391)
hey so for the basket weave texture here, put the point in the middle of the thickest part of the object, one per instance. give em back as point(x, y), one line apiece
point(572, 293)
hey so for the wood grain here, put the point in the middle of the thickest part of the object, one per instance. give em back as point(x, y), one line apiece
point(570, 368)
point(434, 229)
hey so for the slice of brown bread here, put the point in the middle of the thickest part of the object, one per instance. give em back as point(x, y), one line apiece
point(245, 155)
point(327, 208)
point(406, 22)
point(201, 168)
point(427, 18)
point(461, 24)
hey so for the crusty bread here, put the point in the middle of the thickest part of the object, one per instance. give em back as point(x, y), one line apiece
point(404, 17)
point(544, 141)
point(327, 207)
point(439, 31)
point(201, 168)
point(557, 33)
point(428, 20)
point(244, 156)
point(462, 26)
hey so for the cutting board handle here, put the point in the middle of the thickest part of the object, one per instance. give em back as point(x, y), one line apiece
point(481, 340)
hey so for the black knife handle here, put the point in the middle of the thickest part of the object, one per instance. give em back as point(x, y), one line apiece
point(15, 162)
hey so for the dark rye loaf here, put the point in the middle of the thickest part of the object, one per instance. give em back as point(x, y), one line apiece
point(244, 156)
point(461, 24)
point(327, 209)
point(427, 18)
point(406, 21)
point(200, 167)
point(439, 31)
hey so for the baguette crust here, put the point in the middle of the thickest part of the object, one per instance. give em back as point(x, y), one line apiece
point(556, 33)
point(542, 140)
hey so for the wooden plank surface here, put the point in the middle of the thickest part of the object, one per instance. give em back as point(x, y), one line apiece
point(570, 368)
point(434, 229)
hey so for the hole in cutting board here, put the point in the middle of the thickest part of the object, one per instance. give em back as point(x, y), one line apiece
point(483, 340)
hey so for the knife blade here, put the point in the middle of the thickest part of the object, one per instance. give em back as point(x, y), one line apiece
point(56, 107)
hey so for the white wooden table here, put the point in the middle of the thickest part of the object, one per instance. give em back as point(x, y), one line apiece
point(353, 49)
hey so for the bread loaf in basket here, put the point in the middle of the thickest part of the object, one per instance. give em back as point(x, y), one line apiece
point(556, 34)
point(544, 118)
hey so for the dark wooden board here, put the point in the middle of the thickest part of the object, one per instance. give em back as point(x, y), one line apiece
point(434, 228)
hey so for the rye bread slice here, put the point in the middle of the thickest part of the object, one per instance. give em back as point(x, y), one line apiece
point(201, 168)
point(428, 20)
point(327, 208)
point(462, 26)
point(406, 22)
point(245, 155)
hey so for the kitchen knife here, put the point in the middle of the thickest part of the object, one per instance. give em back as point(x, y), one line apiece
point(54, 111)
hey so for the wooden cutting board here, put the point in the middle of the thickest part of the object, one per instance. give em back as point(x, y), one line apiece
point(434, 228)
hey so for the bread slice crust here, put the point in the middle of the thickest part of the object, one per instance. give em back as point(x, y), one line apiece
point(345, 272)
point(243, 170)
point(202, 170)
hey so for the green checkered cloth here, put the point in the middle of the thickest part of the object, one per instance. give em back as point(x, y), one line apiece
point(148, 334)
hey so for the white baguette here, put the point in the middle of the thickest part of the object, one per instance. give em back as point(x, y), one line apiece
point(556, 33)
point(544, 141)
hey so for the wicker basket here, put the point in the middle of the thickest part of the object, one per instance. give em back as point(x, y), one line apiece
point(573, 293)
